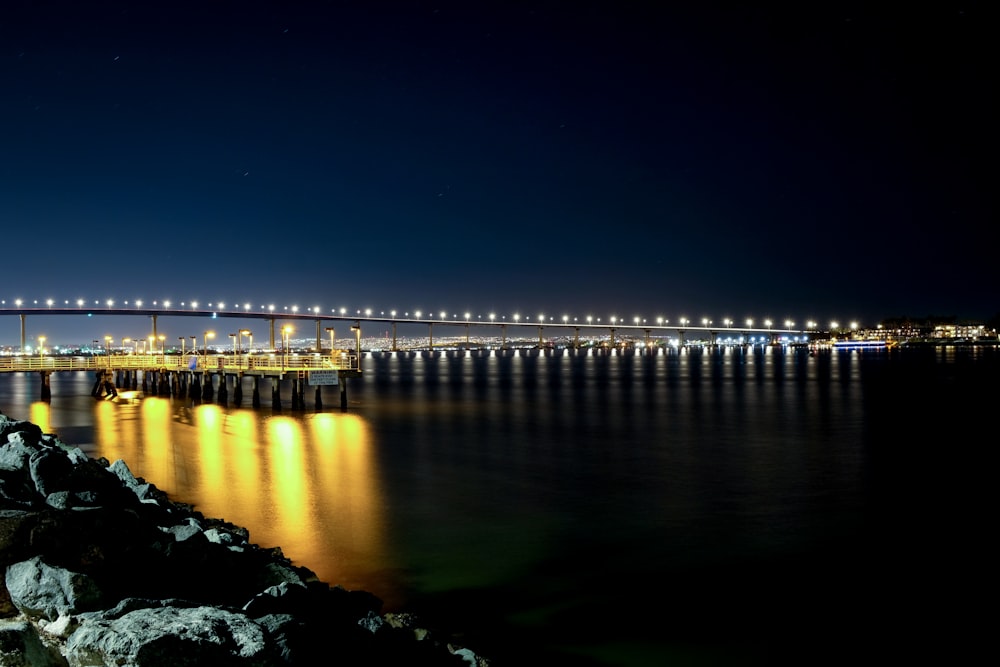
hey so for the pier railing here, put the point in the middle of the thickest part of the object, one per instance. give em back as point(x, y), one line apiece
point(275, 362)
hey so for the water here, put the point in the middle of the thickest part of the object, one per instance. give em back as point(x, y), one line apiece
point(709, 507)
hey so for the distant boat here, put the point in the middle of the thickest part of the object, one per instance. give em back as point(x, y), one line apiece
point(861, 345)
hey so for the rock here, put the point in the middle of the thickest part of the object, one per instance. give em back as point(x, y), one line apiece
point(40, 590)
point(167, 635)
point(20, 646)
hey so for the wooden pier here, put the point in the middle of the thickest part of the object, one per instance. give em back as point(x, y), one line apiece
point(206, 377)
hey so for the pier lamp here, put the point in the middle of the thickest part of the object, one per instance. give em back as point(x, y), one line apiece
point(124, 341)
point(182, 340)
point(41, 346)
point(194, 344)
point(245, 332)
point(235, 348)
point(208, 334)
point(357, 341)
point(285, 331)
point(163, 344)
point(330, 329)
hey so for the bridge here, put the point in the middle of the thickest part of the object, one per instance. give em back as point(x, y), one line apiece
point(502, 325)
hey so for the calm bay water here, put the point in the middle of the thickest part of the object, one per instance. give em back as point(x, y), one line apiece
point(704, 507)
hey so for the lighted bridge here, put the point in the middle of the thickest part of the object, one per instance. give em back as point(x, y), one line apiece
point(503, 325)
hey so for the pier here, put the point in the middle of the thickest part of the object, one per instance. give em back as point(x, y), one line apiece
point(207, 377)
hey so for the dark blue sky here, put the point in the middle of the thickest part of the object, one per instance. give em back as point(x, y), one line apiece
point(815, 161)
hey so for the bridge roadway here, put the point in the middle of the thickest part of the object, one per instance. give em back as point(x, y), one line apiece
point(613, 326)
point(195, 374)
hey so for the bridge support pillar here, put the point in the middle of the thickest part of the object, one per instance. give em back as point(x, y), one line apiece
point(46, 387)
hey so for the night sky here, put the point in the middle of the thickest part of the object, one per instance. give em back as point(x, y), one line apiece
point(813, 161)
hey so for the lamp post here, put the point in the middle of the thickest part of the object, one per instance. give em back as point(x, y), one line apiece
point(357, 341)
point(163, 344)
point(285, 331)
point(330, 329)
point(249, 335)
point(235, 349)
point(208, 334)
point(107, 345)
point(182, 340)
point(124, 341)
point(41, 346)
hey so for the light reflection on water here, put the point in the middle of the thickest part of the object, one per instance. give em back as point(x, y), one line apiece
point(306, 483)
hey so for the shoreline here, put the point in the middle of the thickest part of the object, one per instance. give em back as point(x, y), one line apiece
point(102, 567)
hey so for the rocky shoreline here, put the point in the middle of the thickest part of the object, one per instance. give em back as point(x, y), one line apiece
point(101, 568)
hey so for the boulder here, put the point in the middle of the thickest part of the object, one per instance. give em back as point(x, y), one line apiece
point(39, 590)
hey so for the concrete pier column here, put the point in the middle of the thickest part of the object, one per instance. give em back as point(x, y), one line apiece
point(223, 396)
point(238, 390)
point(343, 393)
point(255, 397)
point(319, 398)
point(195, 390)
point(276, 394)
point(207, 387)
point(46, 387)
point(164, 382)
point(145, 383)
point(135, 380)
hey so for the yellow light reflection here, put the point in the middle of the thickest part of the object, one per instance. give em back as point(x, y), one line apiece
point(157, 452)
point(39, 415)
point(308, 484)
point(210, 475)
point(288, 478)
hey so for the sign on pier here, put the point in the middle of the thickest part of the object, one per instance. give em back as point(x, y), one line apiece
point(323, 378)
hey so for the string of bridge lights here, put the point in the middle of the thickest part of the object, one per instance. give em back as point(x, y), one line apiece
point(168, 306)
